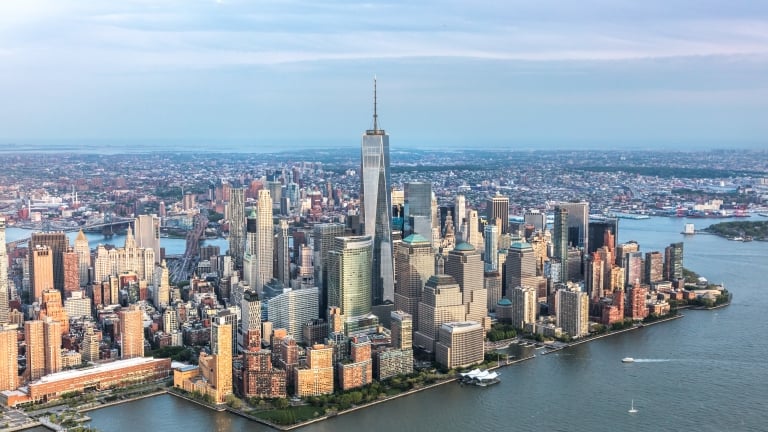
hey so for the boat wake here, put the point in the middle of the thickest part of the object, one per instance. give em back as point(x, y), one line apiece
point(652, 360)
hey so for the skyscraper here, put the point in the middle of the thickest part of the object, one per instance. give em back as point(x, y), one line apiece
point(376, 206)
point(131, 333)
point(498, 208)
point(524, 305)
point(441, 303)
point(418, 208)
point(236, 216)
point(673, 261)
point(250, 263)
point(52, 344)
point(466, 266)
point(83, 252)
point(163, 286)
point(42, 275)
point(283, 254)
point(349, 281)
point(71, 265)
point(654, 267)
point(402, 329)
point(560, 241)
point(265, 240)
point(521, 267)
point(147, 232)
point(472, 234)
point(34, 336)
point(460, 210)
point(9, 351)
point(323, 240)
point(578, 223)
point(292, 309)
point(221, 353)
point(572, 312)
point(491, 255)
point(57, 242)
point(415, 263)
point(4, 290)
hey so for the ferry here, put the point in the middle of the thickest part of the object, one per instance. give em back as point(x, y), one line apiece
point(627, 360)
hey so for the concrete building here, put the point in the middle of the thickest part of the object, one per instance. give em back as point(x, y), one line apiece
point(358, 370)
point(402, 330)
point(460, 344)
point(9, 351)
point(673, 261)
point(572, 312)
point(465, 264)
point(147, 231)
point(131, 333)
point(71, 267)
point(34, 336)
point(56, 243)
point(524, 306)
point(42, 278)
point(52, 343)
point(498, 208)
point(654, 267)
point(83, 252)
point(259, 378)
point(4, 286)
point(441, 303)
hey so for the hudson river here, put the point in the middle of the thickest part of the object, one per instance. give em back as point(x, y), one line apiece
point(706, 372)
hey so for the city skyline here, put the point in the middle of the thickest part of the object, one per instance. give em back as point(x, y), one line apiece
point(503, 75)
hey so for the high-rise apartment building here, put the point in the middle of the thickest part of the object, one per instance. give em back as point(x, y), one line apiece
point(524, 305)
point(654, 267)
point(34, 337)
point(349, 270)
point(317, 377)
point(265, 240)
point(131, 333)
point(673, 261)
point(52, 344)
point(250, 316)
point(83, 252)
point(491, 255)
point(460, 214)
point(4, 284)
point(52, 307)
point(414, 264)
point(283, 273)
point(9, 351)
point(376, 208)
point(560, 241)
point(498, 208)
point(572, 312)
point(402, 329)
point(217, 367)
point(236, 217)
point(71, 265)
point(162, 286)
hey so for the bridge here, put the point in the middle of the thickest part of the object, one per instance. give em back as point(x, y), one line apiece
point(111, 223)
point(182, 268)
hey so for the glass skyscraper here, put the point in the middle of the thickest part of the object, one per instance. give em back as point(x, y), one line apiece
point(376, 207)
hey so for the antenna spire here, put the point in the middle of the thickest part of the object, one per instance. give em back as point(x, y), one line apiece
point(375, 116)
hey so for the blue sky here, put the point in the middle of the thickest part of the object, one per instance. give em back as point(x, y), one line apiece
point(515, 74)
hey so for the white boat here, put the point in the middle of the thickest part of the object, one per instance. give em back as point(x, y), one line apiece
point(632, 409)
point(627, 360)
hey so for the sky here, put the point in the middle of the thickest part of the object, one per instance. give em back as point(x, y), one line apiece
point(515, 74)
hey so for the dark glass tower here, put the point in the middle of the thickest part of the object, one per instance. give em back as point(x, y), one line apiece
point(376, 205)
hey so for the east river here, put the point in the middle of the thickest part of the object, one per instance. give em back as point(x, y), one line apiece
point(706, 372)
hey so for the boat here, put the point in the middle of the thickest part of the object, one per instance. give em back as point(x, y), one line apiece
point(627, 360)
point(632, 409)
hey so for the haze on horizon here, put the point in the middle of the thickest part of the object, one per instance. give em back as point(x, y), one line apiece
point(513, 74)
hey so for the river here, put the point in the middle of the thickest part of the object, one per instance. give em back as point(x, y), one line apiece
point(706, 371)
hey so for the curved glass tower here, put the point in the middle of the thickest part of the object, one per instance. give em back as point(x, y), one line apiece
point(376, 207)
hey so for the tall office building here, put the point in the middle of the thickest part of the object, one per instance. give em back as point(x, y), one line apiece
point(578, 223)
point(147, 232)
point(597, 238)
point(418, 208)
point(673, 261)
point(466, 266)
point(236, 216)
point(491, 255)
point(83, 252)
point(131, 333)
point(521, 267)
point(4, 287)
point(265, 240)
point(376, 206)
point(349, 275)
point(441, 303)
point(535, 218)
point(323, 239)
point(560, 241)
point(42, 276)
point(283, 254)
point(498, 208)
point(57, 242)
point(9, 351)
point(292, 309)
point(460, 344)
point(460, 214)
point(34, 337)
point(414, 264)
point(472, 234)
point(524, 305)
point(317, 378)
point(572, 312)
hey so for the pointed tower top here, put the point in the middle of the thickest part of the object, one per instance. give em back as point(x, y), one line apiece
point(375, 115)
point(81, 236)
